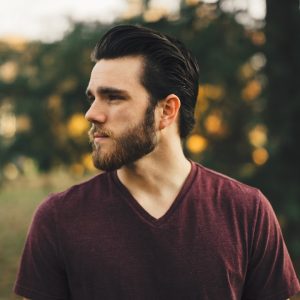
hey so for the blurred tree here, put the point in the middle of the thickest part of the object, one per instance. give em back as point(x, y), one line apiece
point(281, 176)
point(48, 100)
point(51, 81)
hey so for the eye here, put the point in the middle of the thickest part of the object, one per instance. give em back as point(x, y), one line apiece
point(113, 97)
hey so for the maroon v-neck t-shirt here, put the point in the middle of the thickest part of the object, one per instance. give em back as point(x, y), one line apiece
point(219, 240)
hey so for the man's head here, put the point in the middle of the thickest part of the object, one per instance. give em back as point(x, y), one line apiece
point(169, 68)
point(141, 83)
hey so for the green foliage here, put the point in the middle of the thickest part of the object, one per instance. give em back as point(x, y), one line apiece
point(281, 176)
point(48, 90)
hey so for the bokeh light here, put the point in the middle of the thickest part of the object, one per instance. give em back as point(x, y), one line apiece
point(196, 143)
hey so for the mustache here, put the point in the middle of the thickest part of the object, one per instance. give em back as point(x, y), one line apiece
point(96, 129)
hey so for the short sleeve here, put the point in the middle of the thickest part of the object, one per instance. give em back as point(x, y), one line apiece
point(270, 273)
point(41, 274)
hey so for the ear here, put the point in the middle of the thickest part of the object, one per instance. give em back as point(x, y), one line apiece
point(169, 110)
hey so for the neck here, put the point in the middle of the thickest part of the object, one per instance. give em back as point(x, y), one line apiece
point(165, 167)
point(155, 180)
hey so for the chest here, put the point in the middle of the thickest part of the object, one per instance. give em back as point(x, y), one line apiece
point(118, 251)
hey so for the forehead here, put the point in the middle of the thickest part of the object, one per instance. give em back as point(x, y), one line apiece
point(122, 73)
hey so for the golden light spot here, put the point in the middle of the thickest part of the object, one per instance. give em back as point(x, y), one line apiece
point(201, 94)
point(15, 42)
point(10, 171)
point(207, 92)
point(196, 143)
point(260, 156)
point(252, 90)
point(23, 123)
point(258, 135)
point(54, 102)
point(213, 92)
point(77, 125)
point(246, 71)
point(258, 38)
point(8, 124)
point(9, 71)
point(192, 2)
point(88, 162)
point(214, 123)
point(77, 169)
point(154, 14)
point(201, 104)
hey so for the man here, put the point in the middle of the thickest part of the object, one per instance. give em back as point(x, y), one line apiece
point(154, 225)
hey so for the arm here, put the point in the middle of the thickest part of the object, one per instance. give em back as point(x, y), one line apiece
point(41, 271)
point(270, 272)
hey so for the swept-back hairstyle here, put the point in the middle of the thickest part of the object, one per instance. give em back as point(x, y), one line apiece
point(169, 68)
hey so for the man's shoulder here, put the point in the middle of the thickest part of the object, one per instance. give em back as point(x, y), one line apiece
point(78, 194)
point(216, 178)
point(226, 187)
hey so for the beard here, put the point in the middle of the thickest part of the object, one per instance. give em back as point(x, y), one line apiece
point(138, 141)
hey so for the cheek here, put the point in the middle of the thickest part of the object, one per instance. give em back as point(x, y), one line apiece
point(126, 116)
point(118, 115)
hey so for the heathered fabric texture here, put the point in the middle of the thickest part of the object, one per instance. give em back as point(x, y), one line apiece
point(219, 240)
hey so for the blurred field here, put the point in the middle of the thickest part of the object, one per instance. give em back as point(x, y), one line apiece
point(18, 201)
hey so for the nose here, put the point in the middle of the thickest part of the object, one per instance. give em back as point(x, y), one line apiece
point(95, 114)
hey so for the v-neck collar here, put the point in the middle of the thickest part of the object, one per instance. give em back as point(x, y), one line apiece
point(141, 212)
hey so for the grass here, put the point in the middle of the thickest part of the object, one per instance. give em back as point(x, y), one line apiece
point(18, 201)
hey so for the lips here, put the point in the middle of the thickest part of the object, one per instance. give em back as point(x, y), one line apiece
point(100, 135)
point(97, 134)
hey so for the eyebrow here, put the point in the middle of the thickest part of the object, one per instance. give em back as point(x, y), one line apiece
point(104, 91)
